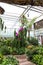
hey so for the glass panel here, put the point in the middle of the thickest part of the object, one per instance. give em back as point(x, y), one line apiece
point(12, 10)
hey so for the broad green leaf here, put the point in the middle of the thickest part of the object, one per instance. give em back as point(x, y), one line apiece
point(27, 23)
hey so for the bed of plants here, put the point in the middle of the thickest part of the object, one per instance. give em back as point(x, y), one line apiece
point(8, 60)
point(13, 46)
point(35, 54)
point(16, 45)
point(33, 41)
point(20, 44)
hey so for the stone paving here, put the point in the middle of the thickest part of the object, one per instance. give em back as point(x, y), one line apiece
point(23, 60)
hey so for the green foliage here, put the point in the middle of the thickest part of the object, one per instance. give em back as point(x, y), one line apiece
point(24, 20)
point(35, 54)
point(39, 50)
point(27, 23)
point(1, 58)
point(1, 24)
point(8, 60)
point(33, 41)
point(32, 22)
point(38, 59)
point(20, 39)
point(11, 46)
point(4, 50)
point(20, 51)
point(30, 52)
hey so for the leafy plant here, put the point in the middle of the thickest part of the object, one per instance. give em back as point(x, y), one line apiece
point(10, 60)
point(20, 38)
point(4, 50)
point(21, 51)
point(35, 54)
point(11, 46)
point(1, 58)
point(30, 52)
point(1, 24)
point(33, 41)
point(26, 23)
point(38, 59)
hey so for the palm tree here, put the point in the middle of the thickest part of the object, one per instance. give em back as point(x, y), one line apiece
point(27, 24)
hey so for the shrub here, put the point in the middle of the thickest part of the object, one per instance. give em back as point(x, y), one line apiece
point(21, 50)
point(7, 42)
point(30, 52)
point(30, 46)
point(40, 50)
point(35, 54)
point(9, 60)
point(1, 58)
point(33, 41)
point(18, 51)
point(1, 44)
point(9, 46)
point(38, 59)
point(4, 50)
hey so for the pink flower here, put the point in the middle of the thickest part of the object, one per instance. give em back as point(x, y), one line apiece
point(21, 29)
point(16, 34)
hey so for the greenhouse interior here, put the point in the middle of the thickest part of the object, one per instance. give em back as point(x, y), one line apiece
point(21, 32)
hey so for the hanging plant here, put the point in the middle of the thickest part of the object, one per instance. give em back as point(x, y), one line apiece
point(1, 24)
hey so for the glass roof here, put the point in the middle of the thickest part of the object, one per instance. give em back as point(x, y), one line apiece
point(12, 9)
point(13, 13)
point(17, 10)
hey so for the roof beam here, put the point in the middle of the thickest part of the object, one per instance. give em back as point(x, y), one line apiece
point(36, 11)
point(39, 11)
point(26, 10)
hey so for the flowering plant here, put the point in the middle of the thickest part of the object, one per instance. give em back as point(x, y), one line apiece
point(20, 37)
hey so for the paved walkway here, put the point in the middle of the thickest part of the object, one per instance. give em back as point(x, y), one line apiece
point(23, 60)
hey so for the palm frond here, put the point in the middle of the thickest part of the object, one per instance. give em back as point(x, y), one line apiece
point(27, 23)
point(32, 22)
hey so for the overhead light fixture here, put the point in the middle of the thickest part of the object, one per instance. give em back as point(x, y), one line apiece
point(28, 15)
